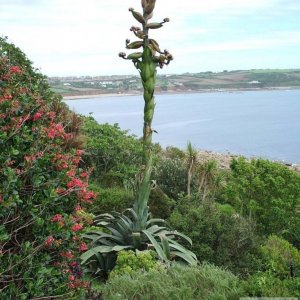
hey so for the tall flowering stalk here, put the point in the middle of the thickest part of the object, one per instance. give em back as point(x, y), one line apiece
point(135, 229)
point(146, 62)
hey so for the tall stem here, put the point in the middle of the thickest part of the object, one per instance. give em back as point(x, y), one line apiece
point(148, 76)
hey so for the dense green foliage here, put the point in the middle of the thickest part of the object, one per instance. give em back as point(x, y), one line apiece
point(177, 282)
point(42, 186)
point(115, 156)
point(281, 257)
point(110, 199)
point(220, 235)
point(268, 193)
point(245, 219)
point(129, 262)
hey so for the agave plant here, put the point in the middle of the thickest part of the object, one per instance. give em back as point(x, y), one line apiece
point(135, 229)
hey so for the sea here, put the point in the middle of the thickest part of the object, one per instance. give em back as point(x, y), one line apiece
point(262, 124)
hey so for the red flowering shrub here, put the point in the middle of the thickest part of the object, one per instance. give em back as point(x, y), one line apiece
point(43, 188)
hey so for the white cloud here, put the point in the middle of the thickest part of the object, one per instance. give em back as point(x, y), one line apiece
point(84, 37)
point(282, 39)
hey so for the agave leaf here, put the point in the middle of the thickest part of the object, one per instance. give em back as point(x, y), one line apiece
point(118, 248)
point(102, 223)
point(92, 252)
point(156, 229)
point(166, 246)
point(100, 260)
point(109, 236)
point(129, 221)
point(106, 242)
point(90, 235)
point(114, 231)
point(125, 224)
point(104, 216)
point(156, 245)
point(185, 256)
point(176, 233)
point(133, 213)
point(176, 246)
point(123, 229)
point(155, 221)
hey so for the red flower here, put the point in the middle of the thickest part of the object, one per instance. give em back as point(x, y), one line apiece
point(71, 173)
point(79, 152)
point(78, 207)
point(83, 247)
point(15, 70)
point(57, 218)
point(87, 196)
point(67, 254)
point(36, 116)
point(84, 174)
point(76, 227)
point(8, 97)
point(49, 241)
point(75, 182)
point(51, 133)
point(29, 158)
point(71, 277)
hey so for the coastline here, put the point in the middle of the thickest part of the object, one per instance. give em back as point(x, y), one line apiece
point(224, 159)
point(172, 92)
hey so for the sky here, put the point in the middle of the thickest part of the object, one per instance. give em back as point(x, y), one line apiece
point(75, 38)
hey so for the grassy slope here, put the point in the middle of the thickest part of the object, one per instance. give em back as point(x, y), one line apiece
point(239, 79)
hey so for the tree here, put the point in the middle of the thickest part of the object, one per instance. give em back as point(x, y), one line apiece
point(191, 160)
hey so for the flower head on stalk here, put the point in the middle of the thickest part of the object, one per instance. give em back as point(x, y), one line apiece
point(158, 57)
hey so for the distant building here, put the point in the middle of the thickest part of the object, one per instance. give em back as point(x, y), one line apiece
point(66, 83)
point(254, 82)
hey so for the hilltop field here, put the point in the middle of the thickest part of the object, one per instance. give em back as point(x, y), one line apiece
point(187, 82)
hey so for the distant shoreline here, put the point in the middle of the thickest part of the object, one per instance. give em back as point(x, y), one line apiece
point(137, 93)
point(225, 158)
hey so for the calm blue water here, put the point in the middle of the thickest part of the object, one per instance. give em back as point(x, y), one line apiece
point(256, 123)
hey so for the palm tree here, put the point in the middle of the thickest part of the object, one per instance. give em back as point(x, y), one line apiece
point(191, 160)
point(208, 177)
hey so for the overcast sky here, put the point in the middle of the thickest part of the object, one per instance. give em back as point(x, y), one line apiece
point(72, 37)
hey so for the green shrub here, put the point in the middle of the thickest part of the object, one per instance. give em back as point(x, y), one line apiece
point(265, 284)
point(161, 206)
point(42, 185)
point(281, 257)
point(129, 262)
point(171, 176)
point(219, 235)
point(174, 153)
point(110, 199)
point(114, 155)
point(268, 193)
point(177, 282)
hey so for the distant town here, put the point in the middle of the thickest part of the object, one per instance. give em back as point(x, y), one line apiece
point(187, 82)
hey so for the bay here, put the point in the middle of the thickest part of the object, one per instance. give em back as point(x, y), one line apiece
point(252, 123)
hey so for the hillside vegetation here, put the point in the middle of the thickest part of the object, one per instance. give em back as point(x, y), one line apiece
point(59, 171)
point(188, 82)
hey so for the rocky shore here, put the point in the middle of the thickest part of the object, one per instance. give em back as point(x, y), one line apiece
point(224, 159)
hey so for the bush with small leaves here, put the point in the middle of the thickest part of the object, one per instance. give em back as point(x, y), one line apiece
point(43, 187)
point(177, 283)
point(268, 193)
point(130, 262)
